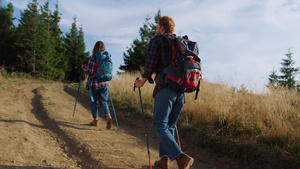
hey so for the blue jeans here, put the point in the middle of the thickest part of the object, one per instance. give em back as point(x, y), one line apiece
point(100, 96)
point(167, 108)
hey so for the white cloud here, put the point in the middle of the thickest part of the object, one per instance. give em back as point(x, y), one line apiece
point(103, 19)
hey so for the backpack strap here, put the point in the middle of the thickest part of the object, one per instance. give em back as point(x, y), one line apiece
point(175, 47)
point(95, 66)
point(170, 43)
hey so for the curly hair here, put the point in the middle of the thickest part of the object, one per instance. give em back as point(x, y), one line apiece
point(167, 23)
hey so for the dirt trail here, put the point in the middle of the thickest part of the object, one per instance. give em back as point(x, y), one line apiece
point(37, 130)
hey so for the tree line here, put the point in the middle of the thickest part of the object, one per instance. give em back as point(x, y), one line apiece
point(38, 46)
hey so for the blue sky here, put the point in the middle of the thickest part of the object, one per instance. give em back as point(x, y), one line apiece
point(241, 41)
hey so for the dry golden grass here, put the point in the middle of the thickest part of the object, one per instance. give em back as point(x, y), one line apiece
point(275, 113)
point(122, 91)
point(270, 120)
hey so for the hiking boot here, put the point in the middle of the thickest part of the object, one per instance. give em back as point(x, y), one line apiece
point(94, 123)
point(184, 161)
point(163, 163)
point(108, 122)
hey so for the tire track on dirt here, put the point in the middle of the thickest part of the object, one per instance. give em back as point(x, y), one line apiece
point(72, 147)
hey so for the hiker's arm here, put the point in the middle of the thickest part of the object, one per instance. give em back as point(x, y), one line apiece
point(140, 83)
point(150, 60)
point(89, 69)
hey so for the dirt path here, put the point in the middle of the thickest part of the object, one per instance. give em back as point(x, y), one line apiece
point(37, 130)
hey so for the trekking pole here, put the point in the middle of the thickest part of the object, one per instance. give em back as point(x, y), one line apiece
point(78, 91)
point(178, 140)
point(112, 105)
point(144, 123)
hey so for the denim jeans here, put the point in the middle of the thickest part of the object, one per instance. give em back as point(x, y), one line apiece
point(100, 96)
point(167, 108)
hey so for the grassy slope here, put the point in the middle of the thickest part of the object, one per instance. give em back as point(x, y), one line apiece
point(261, 131)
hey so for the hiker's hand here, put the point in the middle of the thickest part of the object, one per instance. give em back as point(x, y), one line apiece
point(140, 83)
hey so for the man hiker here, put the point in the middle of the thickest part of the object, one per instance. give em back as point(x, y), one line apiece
point(167, 103)
point(99, 88)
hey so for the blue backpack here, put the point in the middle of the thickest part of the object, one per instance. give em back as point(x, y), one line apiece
point(103, 67)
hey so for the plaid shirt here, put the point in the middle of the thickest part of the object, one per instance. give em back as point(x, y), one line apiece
point(90, 70)
point(158, 56)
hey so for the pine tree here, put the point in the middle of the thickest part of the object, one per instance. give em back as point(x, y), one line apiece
point(273, 79)
point(29, 39)
point(80, 50)
point(40, 45)
point(134, 57)
point(46, 46)
point(7, 33)
point(288, 71)
point(58, 62)
point(81, 46)
point(74, 43)
point(70, 43)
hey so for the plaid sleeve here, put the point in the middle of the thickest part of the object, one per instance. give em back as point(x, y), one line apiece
point(151, 59)
point(89, 69)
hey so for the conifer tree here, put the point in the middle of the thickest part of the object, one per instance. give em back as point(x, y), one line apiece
point(46, 46)
point(83, 56)
point(58, 61)
point(70, 42)
point(288, 71)
point(75, 47)
point(40, 44)
point(288, 74)
point(134, 57)
point(29, 48)
point(7, 33)
point(273, 79)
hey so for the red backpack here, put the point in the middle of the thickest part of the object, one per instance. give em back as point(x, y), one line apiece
point(184, 72)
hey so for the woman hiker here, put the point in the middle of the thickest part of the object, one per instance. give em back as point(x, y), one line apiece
point(99, 88)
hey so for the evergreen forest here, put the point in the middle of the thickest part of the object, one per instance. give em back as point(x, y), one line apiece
point(37, 46)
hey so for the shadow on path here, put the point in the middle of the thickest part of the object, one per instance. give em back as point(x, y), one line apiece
point(71, 146)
